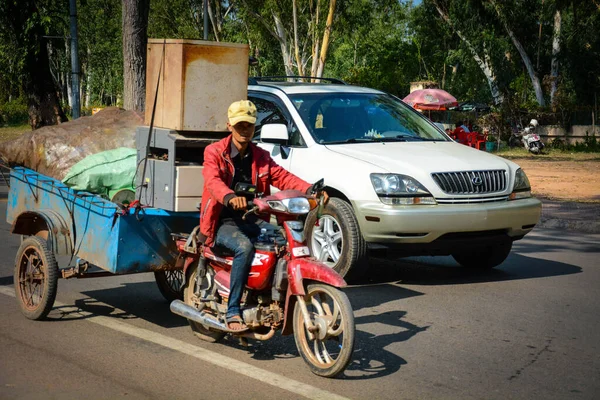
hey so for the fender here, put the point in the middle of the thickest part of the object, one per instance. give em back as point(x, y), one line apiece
point(310, 269)
point(48, 225)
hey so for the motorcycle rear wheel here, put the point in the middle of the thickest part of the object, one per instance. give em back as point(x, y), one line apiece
point(330, 351)
point(169, 284)
point(202, 332)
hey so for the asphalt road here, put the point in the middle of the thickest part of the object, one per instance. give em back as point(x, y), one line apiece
point(426, 329)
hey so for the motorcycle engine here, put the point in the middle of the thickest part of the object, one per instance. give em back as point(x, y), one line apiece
point(262, 316)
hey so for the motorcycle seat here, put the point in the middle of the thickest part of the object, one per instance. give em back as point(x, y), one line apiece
point(221, 251)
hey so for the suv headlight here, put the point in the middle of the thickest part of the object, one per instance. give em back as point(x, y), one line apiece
point(522, 188)
point(396, 189)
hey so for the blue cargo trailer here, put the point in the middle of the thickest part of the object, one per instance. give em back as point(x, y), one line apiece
point(101, 237)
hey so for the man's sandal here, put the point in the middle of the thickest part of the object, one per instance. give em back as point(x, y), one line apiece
point(236, 319)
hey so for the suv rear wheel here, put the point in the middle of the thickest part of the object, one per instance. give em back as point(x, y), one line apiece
point(485, 257)
point(335, 239)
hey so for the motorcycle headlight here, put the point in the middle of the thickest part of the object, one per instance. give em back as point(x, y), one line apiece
point(396, 189)
point(295, 205)
point(522, 187)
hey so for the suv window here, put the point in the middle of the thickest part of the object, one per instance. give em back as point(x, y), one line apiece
point(270, 112)
point(362, 117)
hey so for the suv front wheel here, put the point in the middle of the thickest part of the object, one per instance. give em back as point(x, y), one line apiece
point(335, 239)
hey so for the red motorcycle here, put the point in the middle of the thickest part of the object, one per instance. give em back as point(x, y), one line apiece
point(287, 289)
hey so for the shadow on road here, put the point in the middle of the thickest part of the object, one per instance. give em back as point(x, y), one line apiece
point(370, 359)
point(555, 241)
point(129, 301)
point(7, 281)
point(445, 271)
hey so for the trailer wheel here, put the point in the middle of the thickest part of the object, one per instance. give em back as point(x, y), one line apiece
point(36, 278)
point(170, 284)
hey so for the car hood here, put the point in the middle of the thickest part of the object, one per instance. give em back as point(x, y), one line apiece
point(415, 158)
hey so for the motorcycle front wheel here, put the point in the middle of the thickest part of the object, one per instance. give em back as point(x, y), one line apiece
point(329, 351)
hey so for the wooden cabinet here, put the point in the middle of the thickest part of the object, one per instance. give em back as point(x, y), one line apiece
point(198, 82)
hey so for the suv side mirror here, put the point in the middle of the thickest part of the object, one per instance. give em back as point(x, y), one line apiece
point(274, 133)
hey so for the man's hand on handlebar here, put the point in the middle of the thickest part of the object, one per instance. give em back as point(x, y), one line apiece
point(325, 196)
point(238, 203)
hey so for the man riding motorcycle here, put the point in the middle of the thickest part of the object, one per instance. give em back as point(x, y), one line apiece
point(232, 160)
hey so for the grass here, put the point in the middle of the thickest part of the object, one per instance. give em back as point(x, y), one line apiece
point(11, 132)
point(548, 155)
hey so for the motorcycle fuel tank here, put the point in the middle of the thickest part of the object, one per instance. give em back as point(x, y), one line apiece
point(260, 274)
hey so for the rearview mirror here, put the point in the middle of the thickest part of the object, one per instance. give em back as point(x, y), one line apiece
point(318, 186)
point(274, 133)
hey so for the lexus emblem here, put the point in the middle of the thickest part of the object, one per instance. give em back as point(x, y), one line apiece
point(477, 181)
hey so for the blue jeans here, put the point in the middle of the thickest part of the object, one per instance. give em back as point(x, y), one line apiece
point(239, 239)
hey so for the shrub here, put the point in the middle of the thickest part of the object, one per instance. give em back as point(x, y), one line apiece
point(14, 112)
point(558, 143)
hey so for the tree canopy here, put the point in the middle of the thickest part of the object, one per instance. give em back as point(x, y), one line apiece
point(532, 54)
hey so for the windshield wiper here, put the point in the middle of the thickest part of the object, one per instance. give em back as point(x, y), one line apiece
point(370, 139)
point(351, 140)
point(416, 138)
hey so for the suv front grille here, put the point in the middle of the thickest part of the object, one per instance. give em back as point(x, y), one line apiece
point(471, 182)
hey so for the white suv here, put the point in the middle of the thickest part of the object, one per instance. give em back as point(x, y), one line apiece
point(396, 182)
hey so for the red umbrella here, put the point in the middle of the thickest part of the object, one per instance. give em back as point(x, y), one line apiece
point(431, 99)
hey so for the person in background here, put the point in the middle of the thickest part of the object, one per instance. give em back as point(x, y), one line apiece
point(232, 160)
point(460, 133)
point(466, 126)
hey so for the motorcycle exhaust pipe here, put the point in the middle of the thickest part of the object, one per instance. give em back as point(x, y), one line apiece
point(180, 308)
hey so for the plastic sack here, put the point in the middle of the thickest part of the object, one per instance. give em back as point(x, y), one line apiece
point(53, 150)
point(103, 173)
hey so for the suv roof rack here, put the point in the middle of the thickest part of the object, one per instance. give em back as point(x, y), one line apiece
point(254, 80)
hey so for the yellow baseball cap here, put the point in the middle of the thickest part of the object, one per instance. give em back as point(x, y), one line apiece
point(243, 110)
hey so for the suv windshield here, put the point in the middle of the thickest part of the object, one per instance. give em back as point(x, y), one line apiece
point(362, 117)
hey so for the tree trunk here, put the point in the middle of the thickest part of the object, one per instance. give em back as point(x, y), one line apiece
point(484, 64)
point(326, 36)
point(315, 37)
point(88, 79)
point(296, 45)
point(67, 77)
point(44, 107)
point(135, 39)
point(213, 22)
point(37, 82)
point(285, 53)
point(535, 81)
point(555, 51)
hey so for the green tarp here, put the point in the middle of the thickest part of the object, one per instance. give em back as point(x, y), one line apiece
point(103, 173)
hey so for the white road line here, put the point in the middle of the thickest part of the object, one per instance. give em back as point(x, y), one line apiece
point(217, 359)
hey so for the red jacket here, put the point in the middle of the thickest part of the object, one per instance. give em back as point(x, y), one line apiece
point(218, 175)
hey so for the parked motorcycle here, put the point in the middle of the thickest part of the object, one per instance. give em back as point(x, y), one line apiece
point(287, 289)
point(528, 138)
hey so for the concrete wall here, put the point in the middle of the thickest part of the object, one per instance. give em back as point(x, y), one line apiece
point(575, 135)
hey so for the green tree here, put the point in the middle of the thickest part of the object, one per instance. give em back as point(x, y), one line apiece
point(23, 27)
point(371, 47)
point(100, 48)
